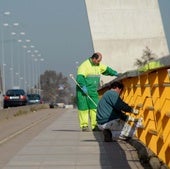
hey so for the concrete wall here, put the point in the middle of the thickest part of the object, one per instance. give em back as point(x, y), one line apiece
point(121, 30)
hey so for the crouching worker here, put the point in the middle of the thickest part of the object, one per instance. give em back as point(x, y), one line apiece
point(111, 118)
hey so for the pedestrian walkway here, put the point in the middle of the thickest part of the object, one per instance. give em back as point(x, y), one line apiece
point(63, 146)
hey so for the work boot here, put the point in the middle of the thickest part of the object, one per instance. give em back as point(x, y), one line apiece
point(85, 128)
point(96, 129)
point(107, 135)
point(125, 138)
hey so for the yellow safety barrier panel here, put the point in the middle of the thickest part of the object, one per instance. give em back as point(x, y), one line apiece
point(150, 93)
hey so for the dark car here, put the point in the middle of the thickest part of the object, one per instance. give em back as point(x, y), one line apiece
point(14, 97)
point(34, 99)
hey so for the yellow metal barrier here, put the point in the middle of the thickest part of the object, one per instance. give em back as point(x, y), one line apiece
point(150, 93)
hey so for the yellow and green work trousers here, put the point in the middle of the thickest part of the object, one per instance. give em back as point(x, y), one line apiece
point(87, 117)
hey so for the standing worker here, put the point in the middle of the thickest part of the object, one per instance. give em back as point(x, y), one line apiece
point(88, 78)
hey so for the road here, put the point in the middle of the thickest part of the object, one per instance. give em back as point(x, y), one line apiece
point(17, 131)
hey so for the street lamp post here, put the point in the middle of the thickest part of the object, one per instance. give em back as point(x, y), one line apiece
point(29, 68)
point(3, 50)
point(24, 66)
point(41, 60)
point(12, 60)
point(32, 64)
point(36, 73)
point(20, 58)
point(13, 33)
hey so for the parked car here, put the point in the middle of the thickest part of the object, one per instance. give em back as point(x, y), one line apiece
point(34, 99)
point(14, 97)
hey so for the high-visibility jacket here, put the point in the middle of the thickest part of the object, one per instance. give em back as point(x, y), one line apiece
point(88, 75)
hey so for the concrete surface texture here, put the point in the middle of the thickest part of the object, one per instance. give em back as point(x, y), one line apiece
point(122, 29)
point(63, 145)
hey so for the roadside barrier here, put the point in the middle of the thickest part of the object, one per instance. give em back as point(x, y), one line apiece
point(150, 93)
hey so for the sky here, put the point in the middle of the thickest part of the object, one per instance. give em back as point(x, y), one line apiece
point(164, 6)
point(58, 30)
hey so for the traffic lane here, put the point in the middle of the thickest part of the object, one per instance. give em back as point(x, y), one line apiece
point(10, 147)
point(11, 123)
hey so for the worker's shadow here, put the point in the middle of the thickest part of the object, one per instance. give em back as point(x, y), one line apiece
point(113, 154)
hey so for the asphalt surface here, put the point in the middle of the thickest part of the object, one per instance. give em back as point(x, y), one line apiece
point(63, 145)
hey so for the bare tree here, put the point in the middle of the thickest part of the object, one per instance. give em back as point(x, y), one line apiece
point(147, 56)
point(55, 87)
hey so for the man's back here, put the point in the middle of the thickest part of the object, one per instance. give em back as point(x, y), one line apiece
point(106, 106)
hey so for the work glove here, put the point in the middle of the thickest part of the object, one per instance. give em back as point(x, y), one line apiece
point(135, 111)
point(132, 119)
point(139, 123)
point(84, 88)
point(119, 74)
point(116, 73)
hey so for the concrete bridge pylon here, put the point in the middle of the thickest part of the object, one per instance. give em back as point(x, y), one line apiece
point(122, 29)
